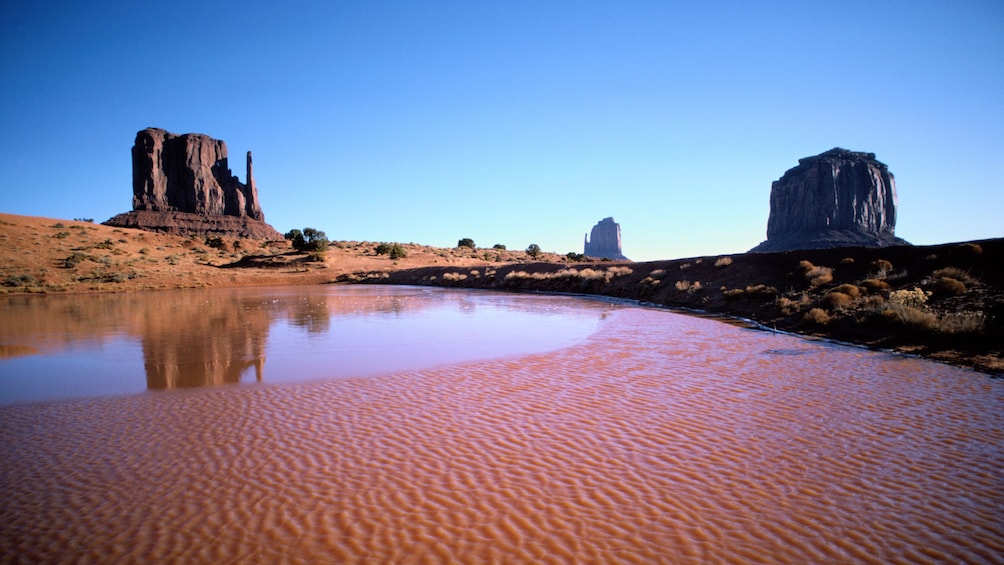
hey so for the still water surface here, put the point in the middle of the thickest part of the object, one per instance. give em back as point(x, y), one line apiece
point(71, 346)
point(639, 436)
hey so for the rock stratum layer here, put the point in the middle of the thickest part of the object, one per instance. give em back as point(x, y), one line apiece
point(839, 198)
point(182, 184)
point(604, 241)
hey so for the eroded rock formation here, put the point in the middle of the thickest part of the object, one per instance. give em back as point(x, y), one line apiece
point(838, 198)
point(604, 241)
point(183, 184)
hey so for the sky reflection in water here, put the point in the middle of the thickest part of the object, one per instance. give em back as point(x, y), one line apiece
point(73, 346)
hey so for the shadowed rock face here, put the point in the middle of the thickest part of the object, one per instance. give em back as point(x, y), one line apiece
point(604, 241)
point(183, 184)
point(836, 199)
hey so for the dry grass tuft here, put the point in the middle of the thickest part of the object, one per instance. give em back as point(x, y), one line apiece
point(969, 249)
point(816, 316)
point(848, 289)
point(837, 300)
point(947, 286)
point(817, 276)
point(789, 306)
point(847, 261)
point(909, 316)
point(723, 261)
point(881, 267)
point(874, 285)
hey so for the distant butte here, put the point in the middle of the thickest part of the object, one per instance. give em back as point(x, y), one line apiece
point(604, 241)
point(182, 184)
point(839, 198)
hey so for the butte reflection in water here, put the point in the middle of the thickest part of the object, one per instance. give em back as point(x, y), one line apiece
point(211, 337)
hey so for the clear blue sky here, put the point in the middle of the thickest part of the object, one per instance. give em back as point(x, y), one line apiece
point(513, 122)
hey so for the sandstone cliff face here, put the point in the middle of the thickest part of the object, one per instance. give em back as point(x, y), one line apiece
point(604, 241)
point(183, 184)
point(835, 199)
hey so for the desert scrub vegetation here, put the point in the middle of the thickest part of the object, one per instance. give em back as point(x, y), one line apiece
point(874, 285)
point(723, 261)
point(915, 297)
point(789, 306)
point(533, 250)
point(466, 242)
point(752, 291)
point(605, 275)
point(816, 316)
point(454, 277)
point(881, 267)
point(817, 276)
point(308, 240)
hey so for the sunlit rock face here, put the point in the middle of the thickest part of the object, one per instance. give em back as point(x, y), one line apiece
point(835, 199)
point(183, 184)
point(604, 241)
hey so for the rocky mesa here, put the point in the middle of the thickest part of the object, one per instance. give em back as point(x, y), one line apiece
point(183, 185)
point(838, 198)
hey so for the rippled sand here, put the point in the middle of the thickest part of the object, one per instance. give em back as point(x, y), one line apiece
point(663, 438)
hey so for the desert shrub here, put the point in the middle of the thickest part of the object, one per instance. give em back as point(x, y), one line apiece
point(59, 225)
point(685, 266)
point(955, 273)
point(396, 251)
point(915, 297)
point(466, 242)
point(723, 261)
point(789, 306)
point(817, 276)
point(20, 280)
point(498, 247)
point(682, 285)
point(873, 302)
point(847, 261)
point(969, 249)
point(964, 322)
point(881, 267)
point(533, 250)
point(316, 257)
point(874, 285)
point(658, 272)
point(62, 235)
point(837, 300)
point(215, 242)
point(575, 257)
point(382, 249)
point(816, 316)
point(308, 240)
point(75, 259)
point(106, 244)
point(849, 290)
point(454, 277)
point(649, 281)
point(908, 316)
point(947, 286)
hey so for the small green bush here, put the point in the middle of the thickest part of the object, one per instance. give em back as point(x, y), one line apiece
point(498, 247)
point(466, 242)
point(533, 250)
point(397, 252)
point(308, 240)
point(382, 249)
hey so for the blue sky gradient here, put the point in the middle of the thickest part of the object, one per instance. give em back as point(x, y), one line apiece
point(513, 122)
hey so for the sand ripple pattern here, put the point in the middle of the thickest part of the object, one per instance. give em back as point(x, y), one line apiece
point(662, 439)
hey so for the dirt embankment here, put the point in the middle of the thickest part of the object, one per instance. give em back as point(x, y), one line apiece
point(944, 302)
